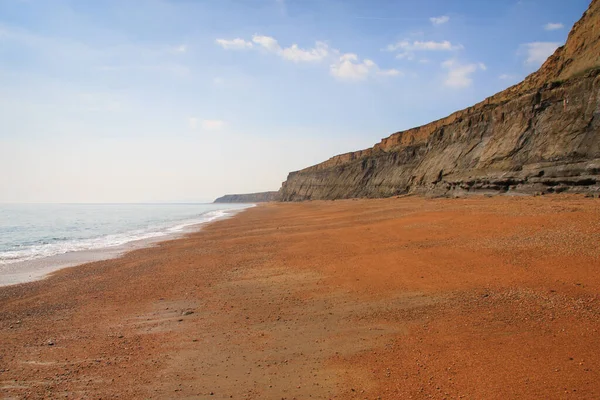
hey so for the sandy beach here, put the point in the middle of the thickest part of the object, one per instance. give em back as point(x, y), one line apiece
point(477, 298)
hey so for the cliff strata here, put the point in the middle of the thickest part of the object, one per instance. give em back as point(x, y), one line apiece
point(540, 136)
point(262, 197)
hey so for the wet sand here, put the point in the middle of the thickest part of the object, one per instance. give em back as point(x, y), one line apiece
point(481, 298)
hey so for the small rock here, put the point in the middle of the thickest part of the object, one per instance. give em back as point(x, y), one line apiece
point(50, 342)
point(188, 312)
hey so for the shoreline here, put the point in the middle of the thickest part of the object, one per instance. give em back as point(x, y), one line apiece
point(393, 298)
point(40, 268)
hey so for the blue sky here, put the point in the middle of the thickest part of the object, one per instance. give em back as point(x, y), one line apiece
point(181, 100)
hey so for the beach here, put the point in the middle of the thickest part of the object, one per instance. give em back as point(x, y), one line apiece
point(398, 298)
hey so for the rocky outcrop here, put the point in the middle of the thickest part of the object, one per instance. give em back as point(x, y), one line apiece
point(262, 197)
point(540, 136)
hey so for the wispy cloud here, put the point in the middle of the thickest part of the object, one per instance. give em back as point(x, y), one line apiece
point(349, 68)
point(419, 45)
point(294, 52)
point(553, 26)
point(390, 72)
point(439, 20)
point(343, 66)
point(406, 49)
point(538, 52)
point(508, 77)
point(234, 44)
point(66, 52)
point(435, 46)
point(459, 75)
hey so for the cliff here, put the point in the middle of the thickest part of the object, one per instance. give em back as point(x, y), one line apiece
point(540, 136)
point(248, 198)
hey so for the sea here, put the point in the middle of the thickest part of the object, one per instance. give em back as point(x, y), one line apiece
point(36, 239)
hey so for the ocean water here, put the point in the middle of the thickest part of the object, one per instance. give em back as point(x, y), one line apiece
point(38, 238)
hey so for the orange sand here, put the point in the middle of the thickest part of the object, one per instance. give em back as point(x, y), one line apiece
point(482, 298)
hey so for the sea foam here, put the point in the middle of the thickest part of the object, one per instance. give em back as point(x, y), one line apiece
point(31, 233)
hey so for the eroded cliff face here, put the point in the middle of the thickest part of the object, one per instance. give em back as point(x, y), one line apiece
point(540, 136)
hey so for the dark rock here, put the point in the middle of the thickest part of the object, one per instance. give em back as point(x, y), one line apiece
point(249, 198)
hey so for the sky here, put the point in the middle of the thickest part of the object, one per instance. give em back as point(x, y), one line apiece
point(183, 100)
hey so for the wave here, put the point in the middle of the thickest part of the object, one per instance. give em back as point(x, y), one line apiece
point(61, 246)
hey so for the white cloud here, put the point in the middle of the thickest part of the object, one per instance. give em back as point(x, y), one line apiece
point(218, 80)
point(234, 44)
point(267, 42)
point(418, 45)
point(294, 52)
point(439, 20)
point(459, 75)
point(402, 45)
point(551, 26)
point(349, 68)
point(407, 49)
point(435, 46)
point(406, 55)
point(212, 124)
point(507, 77)
point(193, 122)
point(345, 66)
point(390, 72)
point(538, 52)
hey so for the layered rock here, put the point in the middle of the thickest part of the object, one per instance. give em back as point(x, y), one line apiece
point(249, 198)
point(540, 136)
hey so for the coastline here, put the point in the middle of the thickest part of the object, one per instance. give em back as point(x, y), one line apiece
point(392, 298)
point(40, 268)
